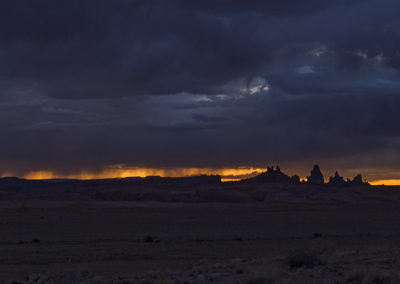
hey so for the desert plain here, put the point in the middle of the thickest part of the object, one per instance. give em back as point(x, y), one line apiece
point(54, 241)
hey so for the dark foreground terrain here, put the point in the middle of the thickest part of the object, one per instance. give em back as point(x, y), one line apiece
point(122, 242)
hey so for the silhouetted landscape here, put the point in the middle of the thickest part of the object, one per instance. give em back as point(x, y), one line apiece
point(176, 142)
point(270, 186)
point(272, 228)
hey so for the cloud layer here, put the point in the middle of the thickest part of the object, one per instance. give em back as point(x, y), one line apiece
point(89, 84)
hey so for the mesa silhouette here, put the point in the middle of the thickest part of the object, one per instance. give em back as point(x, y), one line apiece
point(272, 185)
point(275, 175)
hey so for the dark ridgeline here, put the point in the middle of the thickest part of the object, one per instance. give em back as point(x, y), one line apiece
point(337, 180)
point(14, 182)
point(71, 189)
point(275, 175)
point(357, 180)
point(203, 188)
point(75, 188)
point(316, 176)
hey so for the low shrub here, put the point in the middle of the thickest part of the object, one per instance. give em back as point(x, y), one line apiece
point(303, 259)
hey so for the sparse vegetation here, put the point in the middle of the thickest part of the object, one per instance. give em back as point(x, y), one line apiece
point(35, 241)
point(208, 250)
point(356, 278)
point(260, 280)
point(148, 239)
point(317, 235)
point(306, 259)
point(381, 279)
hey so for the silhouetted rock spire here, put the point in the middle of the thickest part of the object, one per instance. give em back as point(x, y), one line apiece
point(274, 175)
point(295, 179)
point(357, 180)
point(316, 176)
point(337, 180)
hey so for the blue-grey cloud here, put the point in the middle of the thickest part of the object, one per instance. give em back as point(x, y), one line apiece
point(86, 84)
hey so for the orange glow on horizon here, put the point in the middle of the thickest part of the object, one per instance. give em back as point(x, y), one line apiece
point(230, 179)
point(121, 171)
point(39, 175)
point(385, 182)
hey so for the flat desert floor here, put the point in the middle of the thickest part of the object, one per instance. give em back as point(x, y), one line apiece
point(56, 242)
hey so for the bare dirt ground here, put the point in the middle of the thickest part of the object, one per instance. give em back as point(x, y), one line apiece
point(122, 242)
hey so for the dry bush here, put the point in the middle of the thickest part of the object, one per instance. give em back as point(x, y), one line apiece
point(305, 259)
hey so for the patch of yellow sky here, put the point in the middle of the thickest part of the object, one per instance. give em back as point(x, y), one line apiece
point(385, 182)
point(123, 172)
point(120, 171)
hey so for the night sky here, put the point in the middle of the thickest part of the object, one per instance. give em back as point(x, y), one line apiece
point(92, 85)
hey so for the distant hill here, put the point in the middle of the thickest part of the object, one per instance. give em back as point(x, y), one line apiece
point(270, 186)
point(273, 175)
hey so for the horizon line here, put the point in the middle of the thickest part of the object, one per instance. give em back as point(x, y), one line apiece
point(252, 172)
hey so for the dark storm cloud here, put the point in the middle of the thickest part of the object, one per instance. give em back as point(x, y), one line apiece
point(81, 49)
point(86, 84)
